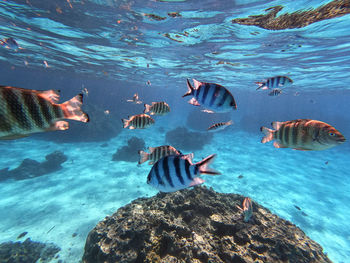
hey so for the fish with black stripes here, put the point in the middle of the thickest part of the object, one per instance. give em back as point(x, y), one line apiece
point(275, 82)
point(24, 111)
point(176, 172)
point(157, 108)
point(140, 121)
point(211, 96)
point(303, 134)
point(156, 153)
point(275, 92)
point(219, 126)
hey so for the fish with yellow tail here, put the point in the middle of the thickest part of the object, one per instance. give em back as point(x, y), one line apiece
point(211, 96)
point(157, 153)
point(219, 126)
point(303, 134)
point(176, 172)
point(157, 108)
point(24, 111)
point(247, 209)
point(140, 121)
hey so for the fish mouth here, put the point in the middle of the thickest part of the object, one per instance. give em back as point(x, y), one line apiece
point(341, 140)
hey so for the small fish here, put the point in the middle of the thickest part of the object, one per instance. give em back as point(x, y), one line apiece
point(22, 235)
point(135, 99)
point(275, 82)
point(275, 92)
point(247, 209)
point(207, 111)
point(303, 134)
point(176, 172)
point(148, 83)
point(23, 112)
point(140, 121)
point(210, 95)
point(157, 108)
point(157, 153)
point(9, 43)
point(219, 126)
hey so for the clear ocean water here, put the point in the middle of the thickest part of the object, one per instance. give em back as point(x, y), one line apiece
point(111, 49)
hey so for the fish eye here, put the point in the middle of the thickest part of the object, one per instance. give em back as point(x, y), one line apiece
point(331, 134)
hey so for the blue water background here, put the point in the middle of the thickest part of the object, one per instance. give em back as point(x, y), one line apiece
point(84, 46)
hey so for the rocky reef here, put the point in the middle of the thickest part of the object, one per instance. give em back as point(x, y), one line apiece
point(27, 252)
point(182, 138)
point(197, 225)
point(297, 19)
point(30, 168)
point(129, 153)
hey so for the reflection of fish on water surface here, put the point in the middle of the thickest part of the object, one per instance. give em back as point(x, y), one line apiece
point(157, 153)
point(176, 172)
point(9, 43)
point(23, 112)
point(303, 134)
point(275, 92)
point(211, 96)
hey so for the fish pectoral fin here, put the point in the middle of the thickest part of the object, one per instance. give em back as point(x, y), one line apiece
point(279, 145)
point(196, 181)
point(14, 136)
point(194, 102)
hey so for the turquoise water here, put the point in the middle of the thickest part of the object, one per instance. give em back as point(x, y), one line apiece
point(112, 49)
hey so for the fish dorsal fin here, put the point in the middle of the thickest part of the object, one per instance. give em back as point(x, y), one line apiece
point(196, 83)
point(276, 124)
point(151, 149)
point(188, 157)
point(51, 95)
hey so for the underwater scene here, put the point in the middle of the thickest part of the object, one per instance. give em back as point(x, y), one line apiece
point(174, 131)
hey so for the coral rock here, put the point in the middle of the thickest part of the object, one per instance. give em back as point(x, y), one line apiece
point(197, 225)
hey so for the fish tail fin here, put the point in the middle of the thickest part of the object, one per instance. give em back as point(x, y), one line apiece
point(147, 108)
point(204, 165)
point(72, 109)
point(190, 89)
point(268, 134)
point(260, 84)
point(143, 157)
point(125, 123)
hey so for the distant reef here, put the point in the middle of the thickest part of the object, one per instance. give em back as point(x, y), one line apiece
point(30, 168)
point(297, 19)
point(101, 127)
point(185, 140)
point(197, 225)
point(129, 152)
point(27, 252)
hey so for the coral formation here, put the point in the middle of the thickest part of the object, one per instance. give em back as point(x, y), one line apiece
point(129, 153)
point(27, 252)
point(185, 140)
point(197, 225)
point(30, 168)
point(297, 19)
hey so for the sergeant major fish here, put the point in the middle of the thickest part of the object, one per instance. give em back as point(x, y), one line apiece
point(24, 111)
point(210, 95)
point(176, 172)
point(219, 126)
point(157, 153)
point(303, 134)
point(140, 121)
point(157, 108)
point(275, 82)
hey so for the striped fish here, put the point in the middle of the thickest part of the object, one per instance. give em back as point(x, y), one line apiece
point(212, 96)
point(157, 108)
point(303, 134)
point(275, 92)
point(219, 126)
point(275, 82)
point(176, 172)
point(157, 153)
point(140, 121)
point(23, 112)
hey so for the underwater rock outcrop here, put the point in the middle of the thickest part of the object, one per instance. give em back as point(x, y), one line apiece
point(197, 225)
point(30, 168)
point(185, 140)
point(297, 19)
point(129, 153)
point(27, 252)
